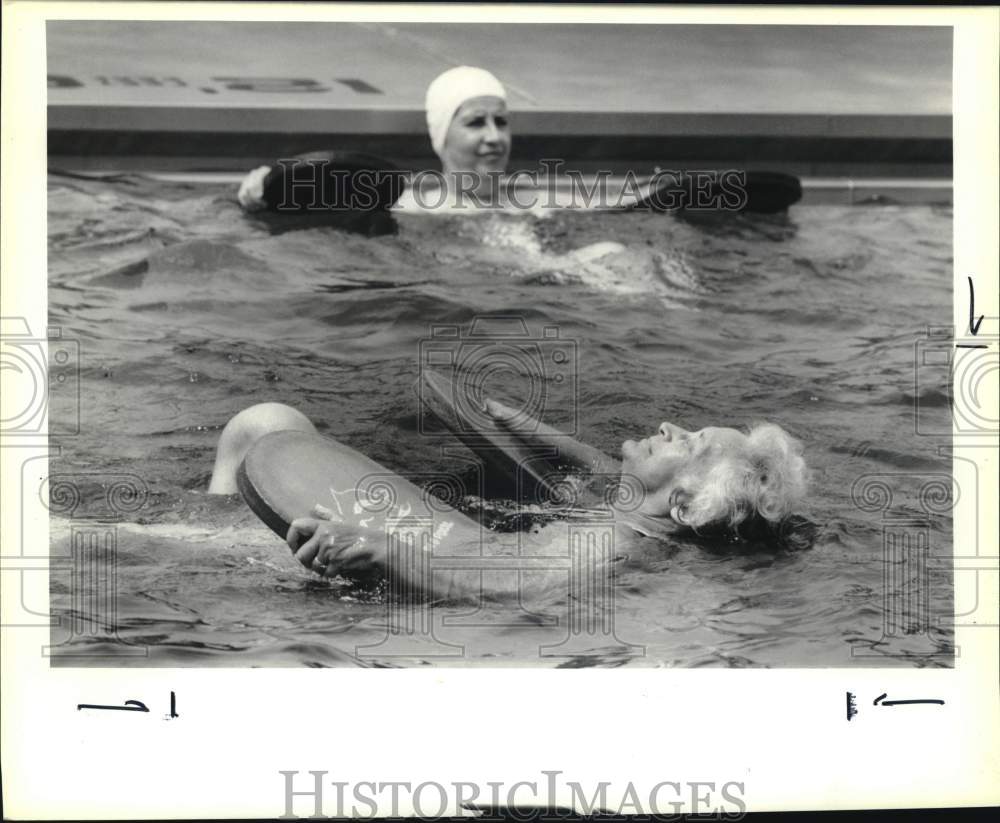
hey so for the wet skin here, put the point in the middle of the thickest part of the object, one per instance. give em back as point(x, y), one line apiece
point(675, 462)
point(478, 139)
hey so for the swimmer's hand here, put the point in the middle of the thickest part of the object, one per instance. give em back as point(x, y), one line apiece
point(332, 549)
point(251, 193)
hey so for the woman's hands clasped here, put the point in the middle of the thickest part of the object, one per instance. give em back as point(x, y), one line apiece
point(332, 549)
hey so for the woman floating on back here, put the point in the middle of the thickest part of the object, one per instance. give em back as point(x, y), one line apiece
point(716, 481)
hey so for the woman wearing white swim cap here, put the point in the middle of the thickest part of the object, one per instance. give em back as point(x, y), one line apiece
point(469, 128)
point(715, 481)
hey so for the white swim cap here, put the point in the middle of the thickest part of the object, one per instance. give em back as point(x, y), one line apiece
point(449, 90)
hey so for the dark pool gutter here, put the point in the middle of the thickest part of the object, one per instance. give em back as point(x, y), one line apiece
point(855, 148)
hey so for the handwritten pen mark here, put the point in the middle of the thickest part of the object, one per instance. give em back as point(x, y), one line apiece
point(971, 346)
point(129, 706)
point(881, 701)
point(852, 708)
point(973, 323)
point(911, 702)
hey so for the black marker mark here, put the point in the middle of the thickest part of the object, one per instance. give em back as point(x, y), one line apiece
point(131, 706)
point(852, 708)
point(971, 346)
point(911, 702)
point(128, 706)
point(973, 323)
point(881, 701)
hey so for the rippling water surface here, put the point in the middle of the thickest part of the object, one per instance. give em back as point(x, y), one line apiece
point(186, 312)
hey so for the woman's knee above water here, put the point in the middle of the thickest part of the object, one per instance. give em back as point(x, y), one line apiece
point(242, 431)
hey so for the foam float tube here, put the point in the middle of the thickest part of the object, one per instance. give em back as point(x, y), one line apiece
point(350, 190)
point(354, 191)
point(759, 192)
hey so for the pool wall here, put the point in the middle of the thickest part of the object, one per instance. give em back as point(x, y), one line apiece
point(858, 112)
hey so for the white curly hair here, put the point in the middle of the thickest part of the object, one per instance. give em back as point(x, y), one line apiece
point(767, 482)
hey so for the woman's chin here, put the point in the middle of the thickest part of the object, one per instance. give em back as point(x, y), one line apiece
point(489, 166)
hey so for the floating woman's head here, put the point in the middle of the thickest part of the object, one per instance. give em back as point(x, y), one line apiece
point(468, 122)
point(718, 477)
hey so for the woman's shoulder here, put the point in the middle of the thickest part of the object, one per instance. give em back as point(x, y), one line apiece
point(428, 199)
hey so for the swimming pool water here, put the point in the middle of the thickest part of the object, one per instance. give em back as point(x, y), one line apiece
point(186, 312)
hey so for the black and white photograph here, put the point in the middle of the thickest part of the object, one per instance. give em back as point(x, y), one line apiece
point(650, 403)
point(499, 340)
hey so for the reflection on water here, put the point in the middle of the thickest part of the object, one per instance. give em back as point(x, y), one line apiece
point(186, 312)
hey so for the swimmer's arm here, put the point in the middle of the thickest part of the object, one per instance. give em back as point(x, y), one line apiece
point(533, 432)
point(500, 571)
point(331, 550)
point(544, 563)
point(481, 569)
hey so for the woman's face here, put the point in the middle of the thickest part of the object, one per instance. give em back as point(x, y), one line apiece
point(672, 464)
point(478, 138)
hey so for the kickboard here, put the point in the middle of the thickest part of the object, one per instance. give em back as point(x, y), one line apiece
point(286, 473)
point(512, 443)
point(529, 455)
